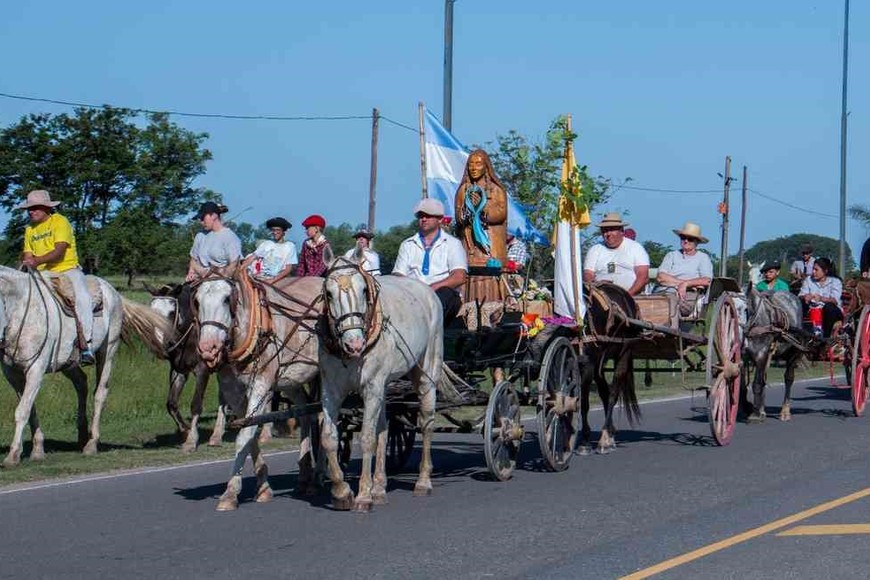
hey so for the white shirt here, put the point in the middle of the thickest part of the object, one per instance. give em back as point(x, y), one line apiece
point(799, 267)
point(371, 260)
point(272, 257)
point(446, 255)
point(831, 288)
point(616, 265)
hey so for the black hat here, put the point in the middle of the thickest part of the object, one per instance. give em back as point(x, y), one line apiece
point(210, 207)
point(279, 222)
point(363, 233)
point(771, 266)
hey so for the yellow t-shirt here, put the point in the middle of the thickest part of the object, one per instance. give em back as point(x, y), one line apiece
point(42, 238)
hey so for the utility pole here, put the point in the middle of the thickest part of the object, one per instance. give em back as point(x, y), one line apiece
point(843, 117)
point(742, 224)
point(373, 173)
point(448, 65)
point(723, 209)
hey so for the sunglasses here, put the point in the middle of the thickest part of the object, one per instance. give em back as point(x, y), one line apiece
point(688, 239)
point(422, 216)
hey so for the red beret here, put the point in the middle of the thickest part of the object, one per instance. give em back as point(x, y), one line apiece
point(314, 220)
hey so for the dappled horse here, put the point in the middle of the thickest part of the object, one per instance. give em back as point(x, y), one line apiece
point(376, 330)
point(174, 303)
point(40, 336)
point(773, 330)
point(608, 338)
point(260, 337)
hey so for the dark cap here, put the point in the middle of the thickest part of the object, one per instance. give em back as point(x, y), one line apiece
point(279, 222)
point(363, 233)
point(210, 207)
point(771, 266)
point(807, 249)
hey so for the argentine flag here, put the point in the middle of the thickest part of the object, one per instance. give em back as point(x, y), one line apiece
point(445, 164)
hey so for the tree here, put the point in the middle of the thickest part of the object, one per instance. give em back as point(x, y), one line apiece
point(102, 164)
point(656, 252)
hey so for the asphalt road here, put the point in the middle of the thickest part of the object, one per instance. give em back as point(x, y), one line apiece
point(665, 492)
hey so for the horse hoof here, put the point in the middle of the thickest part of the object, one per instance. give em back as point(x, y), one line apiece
point(227, 504)
point(11, 462)
point(215, 442)
point(362, 507)
point(603, 450)
point(188, 448)
point(37, 455)
point(583, 450)
point(422, 490)
point(265, 495)
point(342, 504)
point(784, 417)
point(90, 448)
point(755, 418)
point(379, 499)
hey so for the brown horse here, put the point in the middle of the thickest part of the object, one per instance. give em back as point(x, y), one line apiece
point(609, 338)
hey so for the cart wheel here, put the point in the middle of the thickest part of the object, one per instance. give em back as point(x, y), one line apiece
point(401, 433)
point(724, 350)
point(502, 431)
point(558, 403)
point(860, 363)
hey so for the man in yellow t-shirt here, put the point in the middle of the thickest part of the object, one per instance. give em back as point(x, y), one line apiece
point(50, 246)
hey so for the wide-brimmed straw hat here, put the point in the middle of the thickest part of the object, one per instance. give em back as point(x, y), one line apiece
point(692, 230)
point(612, 220)
point(38, 198)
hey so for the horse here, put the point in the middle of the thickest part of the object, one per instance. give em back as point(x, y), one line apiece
point(376, 330)
point(772, 330)
point(257, 350)
point(40, 336)
point(607, 307)
point(755, 271)
point(174, 303)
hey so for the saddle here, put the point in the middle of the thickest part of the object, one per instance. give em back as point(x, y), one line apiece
point(66, 298)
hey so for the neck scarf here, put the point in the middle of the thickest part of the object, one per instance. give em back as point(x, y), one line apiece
point(426, 249)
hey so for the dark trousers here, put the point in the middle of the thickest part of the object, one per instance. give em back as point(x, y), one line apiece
point(831, 313)
point(450, 303)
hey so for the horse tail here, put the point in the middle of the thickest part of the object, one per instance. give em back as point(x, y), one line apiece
point(150, 326)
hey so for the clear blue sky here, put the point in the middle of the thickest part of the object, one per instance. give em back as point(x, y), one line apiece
point(660, 92)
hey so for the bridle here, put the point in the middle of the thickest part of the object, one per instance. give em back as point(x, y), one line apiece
point(214, 274)
point(366, 321)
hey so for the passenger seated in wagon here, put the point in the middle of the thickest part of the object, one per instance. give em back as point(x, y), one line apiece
point(771, 282)
point(824, 290)
point(618, 260)
point(687, 272)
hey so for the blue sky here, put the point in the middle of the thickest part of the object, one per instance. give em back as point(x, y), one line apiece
point(659, 91)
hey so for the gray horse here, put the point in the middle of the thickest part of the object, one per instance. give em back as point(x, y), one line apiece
point(773, 330)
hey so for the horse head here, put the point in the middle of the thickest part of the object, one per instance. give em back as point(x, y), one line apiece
point(213, 304)
point(755, 271)
point(350, 297)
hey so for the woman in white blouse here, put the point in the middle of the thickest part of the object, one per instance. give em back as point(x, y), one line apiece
point(824, 289)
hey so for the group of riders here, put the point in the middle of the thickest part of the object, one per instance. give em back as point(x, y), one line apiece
point(459, 268)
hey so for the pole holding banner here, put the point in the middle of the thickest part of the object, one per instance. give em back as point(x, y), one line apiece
point(421, 110)
point(569, 162)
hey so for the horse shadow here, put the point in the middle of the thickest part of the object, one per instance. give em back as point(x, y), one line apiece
point(60, 446)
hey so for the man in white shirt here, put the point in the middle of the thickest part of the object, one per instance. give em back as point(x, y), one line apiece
point(371, 261)
point(619, 260)
point(803, 268)
point(273, 259)
point(434, 257)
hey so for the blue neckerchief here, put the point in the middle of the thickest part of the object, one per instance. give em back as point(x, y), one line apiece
point(425, 267)
point(481, 237)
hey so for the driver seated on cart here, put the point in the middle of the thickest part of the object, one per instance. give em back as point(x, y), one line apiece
point(618, 260)
point(687, 272)
point(434, 257)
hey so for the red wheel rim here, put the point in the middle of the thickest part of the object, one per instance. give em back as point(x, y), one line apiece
point(725, 393)
point(862, 361)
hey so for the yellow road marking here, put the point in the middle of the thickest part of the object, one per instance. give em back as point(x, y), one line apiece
point(748, 535)
point(833, 530)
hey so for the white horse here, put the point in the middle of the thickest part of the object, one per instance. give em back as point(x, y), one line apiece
point(379, 330)
point(39, 337)
point(256, 352)
point(755, 271)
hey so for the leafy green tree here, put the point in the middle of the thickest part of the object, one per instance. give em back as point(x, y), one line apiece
point(656, 252)
point(787, 249)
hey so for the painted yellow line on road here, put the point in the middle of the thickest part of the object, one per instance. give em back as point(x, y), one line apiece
point(832, 530)
point(748, 535)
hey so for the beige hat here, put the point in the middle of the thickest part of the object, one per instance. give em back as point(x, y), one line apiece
point(38, 198)
point(692, 230)
point(429, 206)
point(612, 220)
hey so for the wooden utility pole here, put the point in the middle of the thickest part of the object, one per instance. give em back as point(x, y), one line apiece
point(448, 64)
point(421, 110)
point(723, 263)
point(373, 173)
point(743, 223)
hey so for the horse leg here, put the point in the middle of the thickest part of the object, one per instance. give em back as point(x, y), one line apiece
point(379, 488)
point(201, 377)
point(307, 482)
point(27, 386)
point(372, 418)
point(342, 496)
point(105, 358)
point(37, 453)
point(80, 382)
point(426, 394)
point(758, 412)
point(220, 422)
point(605, 441)
point(585, 431)
point(266, 431)
point(176, 385)
point(785, 411)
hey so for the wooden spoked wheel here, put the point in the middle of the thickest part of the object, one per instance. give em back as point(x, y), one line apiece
point(724, 351)
point(502, 431)
point(558, 403)
point(401, 434)
point(861, 363)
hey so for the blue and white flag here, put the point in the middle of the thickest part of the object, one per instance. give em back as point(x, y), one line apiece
point(445, 164)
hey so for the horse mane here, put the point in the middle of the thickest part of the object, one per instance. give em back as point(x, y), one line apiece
point(148, 325)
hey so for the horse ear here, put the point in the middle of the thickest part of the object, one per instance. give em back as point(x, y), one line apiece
point(151, 289)
point(749, 263)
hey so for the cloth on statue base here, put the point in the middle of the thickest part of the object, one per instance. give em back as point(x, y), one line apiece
point(484, 289)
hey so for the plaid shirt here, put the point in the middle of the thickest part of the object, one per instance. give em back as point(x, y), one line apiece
point(517, 252)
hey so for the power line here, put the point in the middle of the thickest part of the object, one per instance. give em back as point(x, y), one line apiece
point(791, 205)
point(674, 191)
point(402, 125)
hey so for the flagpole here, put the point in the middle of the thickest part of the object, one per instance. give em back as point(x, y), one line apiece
point(569, 149)
point(421, 110)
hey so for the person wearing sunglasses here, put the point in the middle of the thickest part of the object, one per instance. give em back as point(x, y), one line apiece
point(802, 268)
point(434, 257)
point(687, 271)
